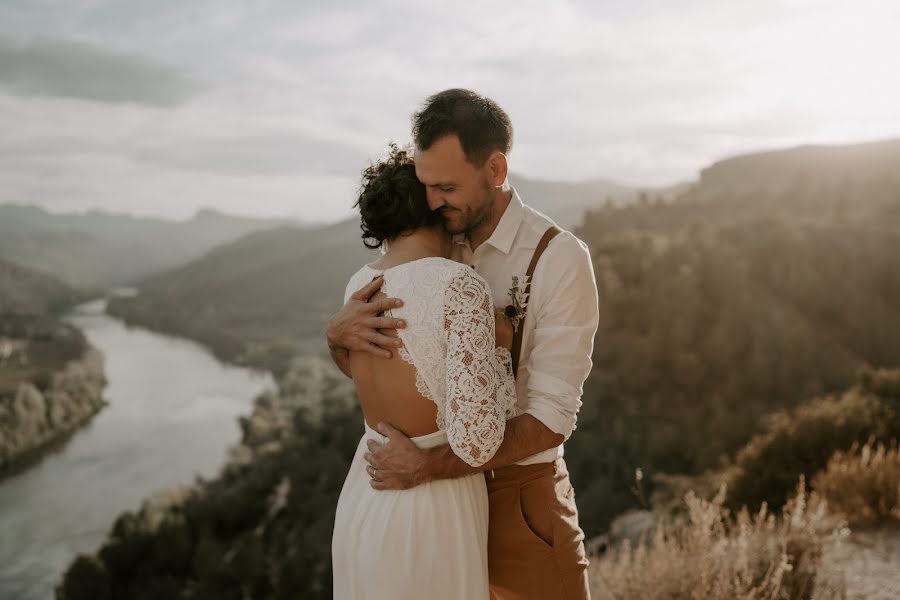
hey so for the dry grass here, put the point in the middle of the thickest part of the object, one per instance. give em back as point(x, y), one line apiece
point(717, 556)
point(863, 485)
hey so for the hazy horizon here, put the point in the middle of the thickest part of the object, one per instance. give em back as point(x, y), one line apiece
point(272, 109)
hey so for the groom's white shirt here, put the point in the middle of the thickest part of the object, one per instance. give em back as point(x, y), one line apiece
point(562, 314)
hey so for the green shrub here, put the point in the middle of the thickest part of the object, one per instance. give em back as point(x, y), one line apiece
point(87, 579)
point(863, 485)
point(802, 441)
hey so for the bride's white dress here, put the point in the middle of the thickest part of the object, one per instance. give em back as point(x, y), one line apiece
point(430, 541)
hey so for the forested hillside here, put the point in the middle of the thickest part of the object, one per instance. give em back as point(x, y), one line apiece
point(750, 294)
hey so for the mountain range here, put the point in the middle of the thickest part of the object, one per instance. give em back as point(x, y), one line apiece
point(96, 249)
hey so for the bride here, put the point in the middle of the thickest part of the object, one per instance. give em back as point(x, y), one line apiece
point(447, 384)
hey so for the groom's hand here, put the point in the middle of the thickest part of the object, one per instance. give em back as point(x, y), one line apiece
point(397, 464)
point(356, 326)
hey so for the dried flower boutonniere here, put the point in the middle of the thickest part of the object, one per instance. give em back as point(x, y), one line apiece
point(519, 297)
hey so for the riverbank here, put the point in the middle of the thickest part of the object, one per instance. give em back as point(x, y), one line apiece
point(261, 528)
point(33, 420)
point(172, 415)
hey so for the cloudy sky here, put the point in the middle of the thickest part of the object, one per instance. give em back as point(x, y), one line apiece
point(159, 107)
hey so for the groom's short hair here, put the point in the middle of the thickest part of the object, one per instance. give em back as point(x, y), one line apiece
point(479, 123)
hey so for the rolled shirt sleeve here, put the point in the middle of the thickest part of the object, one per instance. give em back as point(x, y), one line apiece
point(565, 309)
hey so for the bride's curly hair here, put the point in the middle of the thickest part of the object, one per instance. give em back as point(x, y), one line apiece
point(392, 200)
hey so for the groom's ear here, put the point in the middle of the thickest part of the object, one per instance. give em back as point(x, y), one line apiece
point(498, 167)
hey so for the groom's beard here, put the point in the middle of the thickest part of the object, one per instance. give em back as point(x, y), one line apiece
point(457, 220)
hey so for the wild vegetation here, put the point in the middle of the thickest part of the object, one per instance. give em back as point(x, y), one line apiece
point(863, 484)
point(717, 555)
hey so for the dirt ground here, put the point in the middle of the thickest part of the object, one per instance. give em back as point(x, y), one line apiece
point(870, 563)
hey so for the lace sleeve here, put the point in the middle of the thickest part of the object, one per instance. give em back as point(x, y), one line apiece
point(473, 417)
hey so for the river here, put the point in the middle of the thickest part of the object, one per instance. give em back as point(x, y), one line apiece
point(172, 414)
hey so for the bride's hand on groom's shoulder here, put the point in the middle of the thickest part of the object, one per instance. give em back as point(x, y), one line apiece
point(356, 326)
point(397, 463)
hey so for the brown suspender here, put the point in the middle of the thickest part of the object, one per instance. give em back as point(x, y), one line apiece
point(517, 336)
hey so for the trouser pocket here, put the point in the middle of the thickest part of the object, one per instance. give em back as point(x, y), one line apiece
point(537, 503)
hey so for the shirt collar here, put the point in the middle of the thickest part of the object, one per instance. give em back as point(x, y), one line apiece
point(506, 230)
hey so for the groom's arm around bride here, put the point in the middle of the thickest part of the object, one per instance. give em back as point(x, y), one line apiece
point(565, 320)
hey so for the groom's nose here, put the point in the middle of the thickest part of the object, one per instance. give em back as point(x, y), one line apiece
point(435, 201)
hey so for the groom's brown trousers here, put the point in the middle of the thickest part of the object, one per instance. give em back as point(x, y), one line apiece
point(535, 546)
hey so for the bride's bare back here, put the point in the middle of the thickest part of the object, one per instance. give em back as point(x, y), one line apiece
point(448, 375)
point(387, 391)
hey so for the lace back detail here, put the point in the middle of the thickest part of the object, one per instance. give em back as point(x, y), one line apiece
point(420, 287)
point(449, 340)
point(421, 385)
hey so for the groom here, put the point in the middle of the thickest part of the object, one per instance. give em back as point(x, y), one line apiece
point(535, 546)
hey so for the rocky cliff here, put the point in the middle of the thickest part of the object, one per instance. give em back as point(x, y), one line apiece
point(31, 419)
